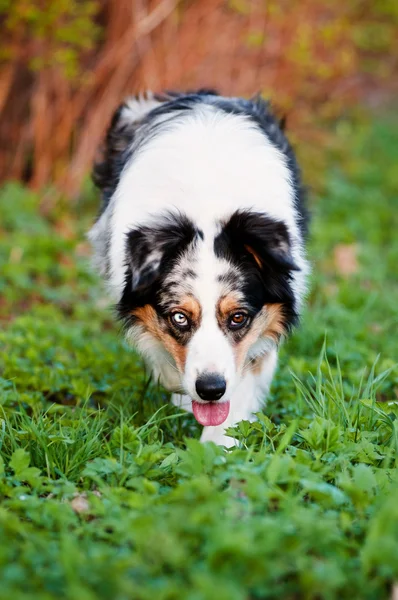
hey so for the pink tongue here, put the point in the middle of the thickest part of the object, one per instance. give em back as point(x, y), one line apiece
point(210, 413)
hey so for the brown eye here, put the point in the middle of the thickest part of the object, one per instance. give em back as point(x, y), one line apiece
point(180, 320)
point(238, 320)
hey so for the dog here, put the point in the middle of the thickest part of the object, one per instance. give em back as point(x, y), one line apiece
point(201, 240)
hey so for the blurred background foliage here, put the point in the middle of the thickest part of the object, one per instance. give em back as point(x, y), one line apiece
point(66, 64)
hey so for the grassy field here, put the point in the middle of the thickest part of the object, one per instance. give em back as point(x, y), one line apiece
point(102, 494)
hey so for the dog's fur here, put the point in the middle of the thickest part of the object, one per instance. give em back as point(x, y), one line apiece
point(201, 241)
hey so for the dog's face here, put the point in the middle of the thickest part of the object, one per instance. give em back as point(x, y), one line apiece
point(203, 306)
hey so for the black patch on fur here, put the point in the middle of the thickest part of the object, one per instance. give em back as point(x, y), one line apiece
point(171, 95)
point(152, 251)
point(270, 281)
point(189, 273)
point(231, 278)
point(106, 172)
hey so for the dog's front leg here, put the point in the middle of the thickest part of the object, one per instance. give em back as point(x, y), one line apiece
point(248, 398)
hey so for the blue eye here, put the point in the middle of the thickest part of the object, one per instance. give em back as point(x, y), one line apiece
point(180, 320)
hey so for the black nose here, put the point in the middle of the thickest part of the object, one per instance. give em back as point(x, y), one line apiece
point(211, 386)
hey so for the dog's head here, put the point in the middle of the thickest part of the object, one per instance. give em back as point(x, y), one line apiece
point(203, 306)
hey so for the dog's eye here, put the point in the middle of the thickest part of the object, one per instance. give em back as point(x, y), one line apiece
point(238, 320)
point(180, 320)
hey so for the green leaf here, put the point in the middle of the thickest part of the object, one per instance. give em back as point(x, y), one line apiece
point(19, 462)
point(321, 490)
point(170, 460)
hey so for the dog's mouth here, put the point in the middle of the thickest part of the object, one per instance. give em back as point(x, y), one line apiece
point(210, 413)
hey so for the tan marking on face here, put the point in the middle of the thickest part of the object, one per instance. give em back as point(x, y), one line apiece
point(149, 318)
point(191, 306)
point(242, 347)
point(276, 322)
point(226, 305)
point(268, 323)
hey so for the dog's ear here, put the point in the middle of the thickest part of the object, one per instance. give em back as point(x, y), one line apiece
point(264, 239)
point(151, 249)
point(119, 139)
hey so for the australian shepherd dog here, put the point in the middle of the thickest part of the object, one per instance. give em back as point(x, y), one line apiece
point(201, 242)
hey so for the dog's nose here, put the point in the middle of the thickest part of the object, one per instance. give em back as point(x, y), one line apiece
point(211, 386)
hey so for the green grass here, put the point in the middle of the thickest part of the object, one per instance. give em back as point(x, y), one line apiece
point(102, 496)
